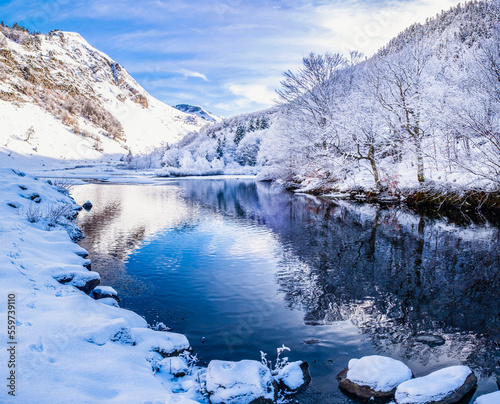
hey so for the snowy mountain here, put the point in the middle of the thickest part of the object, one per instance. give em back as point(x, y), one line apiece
point(198, 111)
point(60, 98)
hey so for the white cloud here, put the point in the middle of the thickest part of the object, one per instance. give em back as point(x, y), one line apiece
point(188, 73)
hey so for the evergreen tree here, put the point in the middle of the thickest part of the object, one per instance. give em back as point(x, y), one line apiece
point(239, 135)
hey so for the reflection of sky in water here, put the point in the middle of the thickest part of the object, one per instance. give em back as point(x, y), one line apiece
point(250, 268)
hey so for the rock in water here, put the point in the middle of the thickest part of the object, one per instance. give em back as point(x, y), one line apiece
point(294, 377)
point(244, 382)
point(87, 206)
point(492, 398)
point(103, 292)
point(431, 340)
point(373, 376)
point(444, 386)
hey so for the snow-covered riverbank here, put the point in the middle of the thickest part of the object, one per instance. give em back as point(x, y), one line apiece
point(69, 347)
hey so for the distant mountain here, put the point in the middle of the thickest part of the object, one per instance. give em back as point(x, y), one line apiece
point(198, 111)
point(61, 98)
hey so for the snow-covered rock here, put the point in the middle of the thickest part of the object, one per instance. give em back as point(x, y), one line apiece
point(444, 386)
point(294, 377)
point(84, 280)
point(103, 292)
point(175, 365)
point(241, 382)
point(166, 344)
point(492, 398)
point(373, 376)
point(109, 301)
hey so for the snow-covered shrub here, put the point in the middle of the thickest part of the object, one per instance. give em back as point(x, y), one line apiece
point(34, 214)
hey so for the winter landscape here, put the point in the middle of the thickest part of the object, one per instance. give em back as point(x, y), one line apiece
point(250, 202)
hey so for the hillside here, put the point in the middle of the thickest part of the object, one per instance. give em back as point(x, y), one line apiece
point(60, 98)
point(230, 146)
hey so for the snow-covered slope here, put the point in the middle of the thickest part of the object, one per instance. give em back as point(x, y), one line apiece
point(79, 102)
point(198, 111)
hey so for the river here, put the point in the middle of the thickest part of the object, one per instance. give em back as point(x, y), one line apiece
point(242, 267)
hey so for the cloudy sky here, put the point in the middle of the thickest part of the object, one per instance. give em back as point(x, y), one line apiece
point(226, 55)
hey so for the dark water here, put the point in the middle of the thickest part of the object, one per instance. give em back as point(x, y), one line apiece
point(249, 268)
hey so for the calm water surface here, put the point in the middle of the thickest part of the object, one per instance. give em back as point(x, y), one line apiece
point(248, 268)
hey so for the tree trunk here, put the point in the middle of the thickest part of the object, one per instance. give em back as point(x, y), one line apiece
point(420, 161)
point(371, 157)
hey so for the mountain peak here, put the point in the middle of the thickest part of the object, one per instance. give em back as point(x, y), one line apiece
point(198, 111)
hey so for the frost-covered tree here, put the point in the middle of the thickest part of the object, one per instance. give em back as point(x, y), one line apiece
point(401, 82)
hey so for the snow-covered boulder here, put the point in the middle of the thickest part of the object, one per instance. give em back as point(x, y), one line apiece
point(83, 280)
point(294, 377)
point(167, 344)
point(103, 292)
point(492, 398)
point(444, 386)
point(241, 382)
point(175, 365)
point(373, 376)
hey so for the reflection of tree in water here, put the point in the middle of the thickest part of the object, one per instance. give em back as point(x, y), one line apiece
point(392, 273)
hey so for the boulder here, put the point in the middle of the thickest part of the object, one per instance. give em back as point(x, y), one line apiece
point(167, 344)
point(85, 281)
point(373, 376)
point(492, 398)
point(103, 292)
point(444, 386)
point(175, 365)
point(294, 377)
point(244, 382)
point(430, 339)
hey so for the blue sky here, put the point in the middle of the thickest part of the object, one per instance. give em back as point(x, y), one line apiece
point(226, 55)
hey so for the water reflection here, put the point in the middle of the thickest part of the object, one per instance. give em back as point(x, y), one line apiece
point(322, 267)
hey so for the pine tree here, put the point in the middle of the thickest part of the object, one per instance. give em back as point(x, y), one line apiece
point(239, 135)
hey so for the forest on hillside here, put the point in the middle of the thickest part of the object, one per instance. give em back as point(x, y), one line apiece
point(424, 109)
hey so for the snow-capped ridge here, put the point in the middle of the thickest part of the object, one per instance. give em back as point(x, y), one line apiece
point(91, 96)
point(198, 111)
